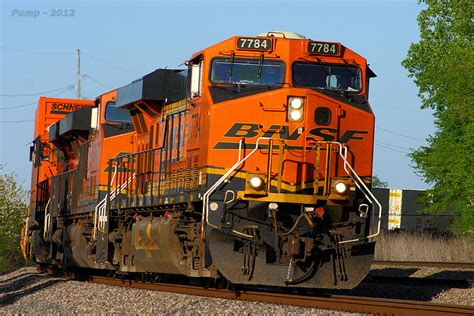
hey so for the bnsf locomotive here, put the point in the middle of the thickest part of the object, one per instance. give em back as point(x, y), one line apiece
point(253, 165)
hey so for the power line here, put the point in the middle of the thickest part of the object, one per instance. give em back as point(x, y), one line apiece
point(398, 134)
point(35, 52)
point(58, 93)
point(18, 106)
point(96, 81)
point(102, 60)
point(19, 121)
point(392, 149)
point(398, 107)
point(33, 94)
point(36, 102)
point(391, 145)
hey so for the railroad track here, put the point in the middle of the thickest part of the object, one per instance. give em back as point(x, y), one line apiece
point(353, 304)
point(423, 264)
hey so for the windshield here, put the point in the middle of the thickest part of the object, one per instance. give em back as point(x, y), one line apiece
point(247, 71)
point(114, 114)
point(343, 78)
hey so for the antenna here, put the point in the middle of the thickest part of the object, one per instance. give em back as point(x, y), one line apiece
point(78, 86)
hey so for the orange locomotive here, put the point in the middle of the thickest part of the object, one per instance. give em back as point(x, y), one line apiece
point(252, 166)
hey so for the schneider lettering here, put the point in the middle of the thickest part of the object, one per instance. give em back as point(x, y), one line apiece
point(68, 107)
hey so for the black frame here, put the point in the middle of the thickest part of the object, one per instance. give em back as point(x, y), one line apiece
point(321, 108)
point(238, 57)
point(111, 121)
point(358, 92)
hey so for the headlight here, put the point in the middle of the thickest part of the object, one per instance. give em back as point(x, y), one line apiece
point(256, 183)
point(296, 103)
point(295, 115)
point(295, 109)
point(340, 187)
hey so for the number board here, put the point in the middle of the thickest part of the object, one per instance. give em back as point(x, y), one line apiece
point(324, 48)
point(254, 43)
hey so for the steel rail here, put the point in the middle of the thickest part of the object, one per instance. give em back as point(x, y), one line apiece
point(450, 265)
point(332, 302)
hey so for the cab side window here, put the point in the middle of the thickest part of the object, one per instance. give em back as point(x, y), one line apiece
point(118, 120)
point(118, 115)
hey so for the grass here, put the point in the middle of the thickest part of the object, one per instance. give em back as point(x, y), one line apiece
point(10, 254)
point(6, 264)
point(423, 246)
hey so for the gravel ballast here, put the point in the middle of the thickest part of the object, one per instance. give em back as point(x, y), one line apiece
point(26, 291)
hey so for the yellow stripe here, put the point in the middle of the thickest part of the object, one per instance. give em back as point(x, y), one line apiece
point(240, 174)
point(243, 175)
point(174, 107)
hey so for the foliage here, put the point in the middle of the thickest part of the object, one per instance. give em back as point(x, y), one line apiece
point(12, 207)
point(378, 183)
point(442, 67)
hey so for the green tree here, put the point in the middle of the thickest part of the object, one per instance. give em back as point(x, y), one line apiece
point(378, 183)
point(12, 207)
point(441, 64)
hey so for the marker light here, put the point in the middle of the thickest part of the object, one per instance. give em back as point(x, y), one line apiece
point(319, 212)
point(256, 183)
point(340, 187)
point(214, 206)
point(273, 206)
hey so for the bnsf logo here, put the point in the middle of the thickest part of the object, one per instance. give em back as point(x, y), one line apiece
point(249, 130)
point(65, 107)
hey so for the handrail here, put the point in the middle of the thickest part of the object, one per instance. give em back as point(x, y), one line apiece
point(99, 205)
point(347, 167)
point(100, 211)
point(47, 220)
point(361, 186)
point(207, 194)
point(101, 216)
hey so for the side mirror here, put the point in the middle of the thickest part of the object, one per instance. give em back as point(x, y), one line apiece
point(196, 79)
point(32, 150)
point(94, 118)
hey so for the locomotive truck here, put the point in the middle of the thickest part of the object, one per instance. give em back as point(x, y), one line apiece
point(253, 165)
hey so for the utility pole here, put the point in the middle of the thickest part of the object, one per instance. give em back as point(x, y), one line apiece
point(78, 86)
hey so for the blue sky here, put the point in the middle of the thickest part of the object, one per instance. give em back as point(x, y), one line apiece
point(122, 41)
